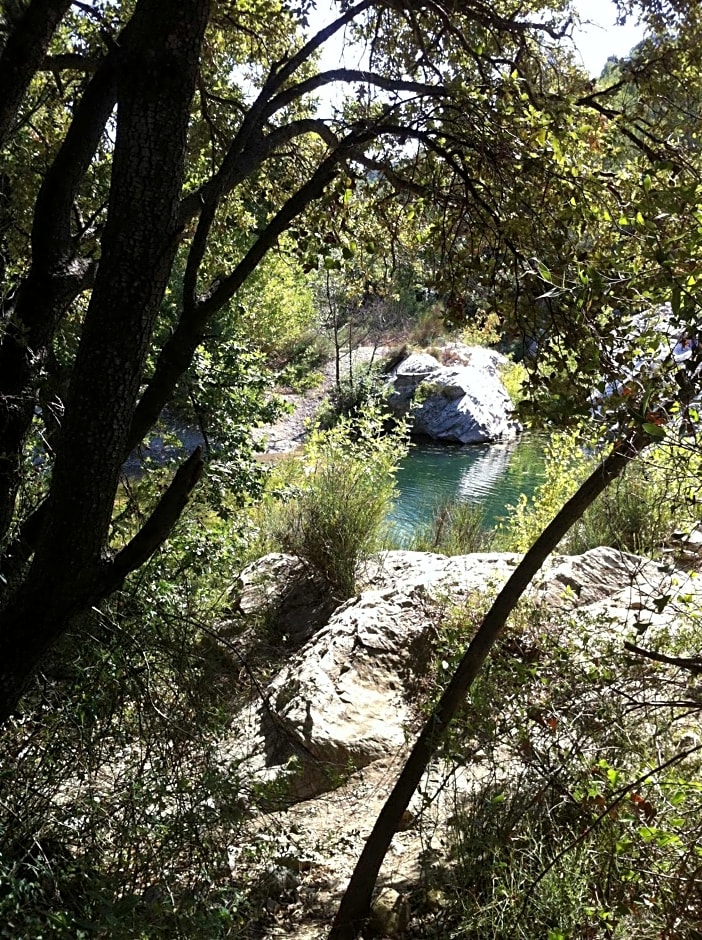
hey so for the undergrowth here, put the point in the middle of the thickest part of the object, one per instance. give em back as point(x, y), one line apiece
point(586, 815)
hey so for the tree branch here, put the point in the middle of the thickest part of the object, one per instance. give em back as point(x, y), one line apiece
point(23, 53)
point(70, 61)
point(355, 905)
point(692, 664)
point(158, 526)
point(176, 355)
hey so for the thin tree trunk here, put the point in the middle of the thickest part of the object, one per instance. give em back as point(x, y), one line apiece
point(355, 905)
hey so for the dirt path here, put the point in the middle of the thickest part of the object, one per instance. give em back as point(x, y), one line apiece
point(289, 432)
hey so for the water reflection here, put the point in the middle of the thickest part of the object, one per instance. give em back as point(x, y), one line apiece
point(490, 475)
point(481, 478)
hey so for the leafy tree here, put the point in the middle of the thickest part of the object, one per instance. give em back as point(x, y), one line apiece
point(145, 148)
point(152, 157)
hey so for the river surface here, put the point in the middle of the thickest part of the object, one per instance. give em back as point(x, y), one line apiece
point(492, 476)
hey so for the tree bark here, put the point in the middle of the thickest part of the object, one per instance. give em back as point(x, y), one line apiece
point(355, 904)
point(155, 84)
point(56, 277)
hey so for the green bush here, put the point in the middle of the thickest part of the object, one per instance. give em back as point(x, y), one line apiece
point(335, 519)
point(353, 397)
point(116, 809)
point(657, 494)
point(300, 360)
point(584, 819)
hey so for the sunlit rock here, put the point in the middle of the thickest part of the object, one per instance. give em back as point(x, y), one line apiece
point(465, 402)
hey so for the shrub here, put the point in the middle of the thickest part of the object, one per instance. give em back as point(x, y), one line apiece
point(484, 329)
point(299, 361)
point(656, 495)
point(353, 397)
point(584, 817)
point(334, 521)
point(514, 376)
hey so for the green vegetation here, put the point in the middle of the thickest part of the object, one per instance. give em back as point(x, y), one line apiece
point(585, 823)
point(184, 226)
point(334, 518)
point(457, 528)
point(656, 497)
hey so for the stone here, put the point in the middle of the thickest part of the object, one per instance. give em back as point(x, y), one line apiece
point(464, 403)
point(389, 914)
point(281, 589)
point(347, 697)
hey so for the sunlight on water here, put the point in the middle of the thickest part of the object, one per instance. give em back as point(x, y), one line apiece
point(490, 475)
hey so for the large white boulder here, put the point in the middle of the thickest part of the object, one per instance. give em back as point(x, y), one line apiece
point(349, 695)
point(465, 402)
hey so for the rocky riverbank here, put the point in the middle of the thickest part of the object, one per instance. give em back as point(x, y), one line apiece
point(332, 727)
point(457, 398)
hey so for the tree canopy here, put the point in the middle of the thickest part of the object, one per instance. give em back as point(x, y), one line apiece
point(153, 157)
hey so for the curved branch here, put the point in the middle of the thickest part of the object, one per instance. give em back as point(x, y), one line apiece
point(351, 76)
point(692, 664)
point(158, 526)
point(70, 61)
point(206, 200)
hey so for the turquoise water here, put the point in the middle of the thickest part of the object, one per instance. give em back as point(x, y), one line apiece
point(489, 475)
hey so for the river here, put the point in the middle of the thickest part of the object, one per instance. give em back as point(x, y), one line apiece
point(489, 475)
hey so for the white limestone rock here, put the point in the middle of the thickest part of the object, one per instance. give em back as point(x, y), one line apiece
point(463, 403)
point(347, 697)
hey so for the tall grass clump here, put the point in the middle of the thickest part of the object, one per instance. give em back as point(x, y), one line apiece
point(456, 528)
point(335, 518)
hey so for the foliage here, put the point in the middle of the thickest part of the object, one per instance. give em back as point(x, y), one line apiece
point(167, 185)
point(363, 391)
point(276, 306)
point(334, 521)
point(586, 819)
point(116, 810)
point(299, 361)
point(656, 496)
point(457, 528)
point(483, 330)
point(514, 378)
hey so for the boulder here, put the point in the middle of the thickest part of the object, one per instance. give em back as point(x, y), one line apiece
point(348, 697)
point(280, 589)
point(464, 403)
point(343, 700)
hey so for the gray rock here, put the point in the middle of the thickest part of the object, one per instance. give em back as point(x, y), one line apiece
point(389, 914)
point(280, 589)
point(465, 403)
point(347, 697)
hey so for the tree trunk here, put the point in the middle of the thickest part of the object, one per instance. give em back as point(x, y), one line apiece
point(355, 905)
point(24, 50)
point(71, 569)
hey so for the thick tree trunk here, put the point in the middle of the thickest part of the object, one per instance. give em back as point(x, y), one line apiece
point(355, 905)
point(156, 76)
point(55, 279)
